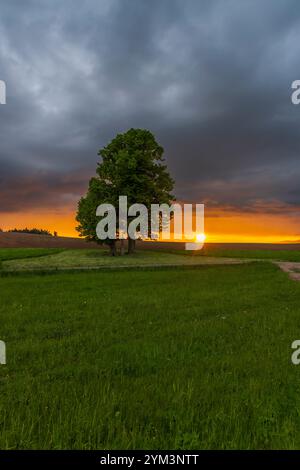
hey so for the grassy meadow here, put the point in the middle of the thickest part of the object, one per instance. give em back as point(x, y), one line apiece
point(216, 252)
point(25, 253)
point(194, 358)
point(100, 258)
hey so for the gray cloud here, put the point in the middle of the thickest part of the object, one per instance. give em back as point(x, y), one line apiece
point(211, 79)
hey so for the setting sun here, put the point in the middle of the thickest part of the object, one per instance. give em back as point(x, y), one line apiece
point(200, 237)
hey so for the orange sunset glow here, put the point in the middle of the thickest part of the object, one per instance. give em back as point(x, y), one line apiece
point(220, 227)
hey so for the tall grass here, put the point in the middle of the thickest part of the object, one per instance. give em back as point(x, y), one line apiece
point(167, 359)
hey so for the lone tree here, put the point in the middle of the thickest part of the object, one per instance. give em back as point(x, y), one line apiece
point(132, 165)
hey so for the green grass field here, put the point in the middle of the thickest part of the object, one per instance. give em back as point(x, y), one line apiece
point(211, 251)
point(99, 258)
point(23, 253)
point(166, 359)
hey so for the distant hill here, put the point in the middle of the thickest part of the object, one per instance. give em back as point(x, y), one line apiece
point(26, 240)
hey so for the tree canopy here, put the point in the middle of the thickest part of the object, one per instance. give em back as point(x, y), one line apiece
point(131, 165)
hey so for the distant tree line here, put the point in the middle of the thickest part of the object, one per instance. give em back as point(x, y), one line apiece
point(35, 231)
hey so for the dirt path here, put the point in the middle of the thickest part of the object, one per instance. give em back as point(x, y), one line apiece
point(291, 268)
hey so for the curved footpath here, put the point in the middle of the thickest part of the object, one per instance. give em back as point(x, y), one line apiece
point(291, 268)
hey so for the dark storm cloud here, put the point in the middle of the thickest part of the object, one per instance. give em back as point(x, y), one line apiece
point(211, 79)
point(56, 192)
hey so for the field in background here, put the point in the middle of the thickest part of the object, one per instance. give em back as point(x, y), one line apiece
point(19, 240)
point(27, 240)
point(236, 252)
point(7, 254)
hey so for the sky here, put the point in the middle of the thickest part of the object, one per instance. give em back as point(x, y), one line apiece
point(210, 78)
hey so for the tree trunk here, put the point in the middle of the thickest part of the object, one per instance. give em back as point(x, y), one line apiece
point(113, 248)
point(122, 247)
point(131, 246)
